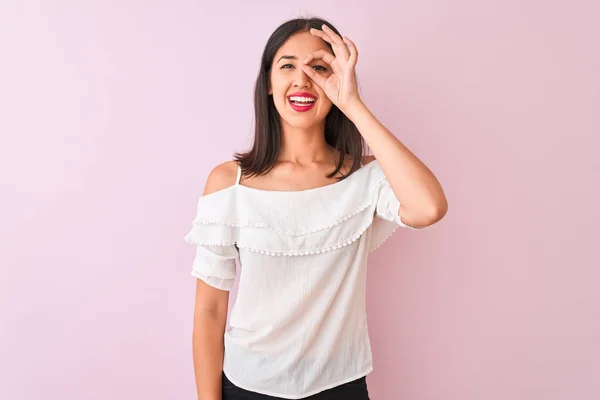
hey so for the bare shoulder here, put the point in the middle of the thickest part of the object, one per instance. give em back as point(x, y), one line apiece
point(368, 159)
point(221, 177)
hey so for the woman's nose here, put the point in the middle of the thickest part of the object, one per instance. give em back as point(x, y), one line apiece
point(301, 79)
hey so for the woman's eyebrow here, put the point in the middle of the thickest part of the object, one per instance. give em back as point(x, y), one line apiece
point(288, 58)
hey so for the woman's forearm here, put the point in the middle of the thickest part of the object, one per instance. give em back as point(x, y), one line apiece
point(207, 343)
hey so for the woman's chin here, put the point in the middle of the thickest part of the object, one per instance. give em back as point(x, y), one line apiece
point(303, 122)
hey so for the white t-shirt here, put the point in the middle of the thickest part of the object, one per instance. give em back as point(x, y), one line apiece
point(299, 323)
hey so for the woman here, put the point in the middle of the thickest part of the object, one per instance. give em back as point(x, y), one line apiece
point(301, 210)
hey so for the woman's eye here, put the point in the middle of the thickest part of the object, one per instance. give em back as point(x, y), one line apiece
point(322, 68)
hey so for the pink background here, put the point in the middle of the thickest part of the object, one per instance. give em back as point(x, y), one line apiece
point(114, 112)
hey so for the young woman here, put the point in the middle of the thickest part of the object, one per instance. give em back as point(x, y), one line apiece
point(301, 210)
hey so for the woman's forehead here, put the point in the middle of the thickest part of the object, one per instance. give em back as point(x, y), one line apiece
point(301, 45)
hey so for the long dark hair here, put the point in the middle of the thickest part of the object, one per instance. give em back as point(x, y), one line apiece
point(340, 132)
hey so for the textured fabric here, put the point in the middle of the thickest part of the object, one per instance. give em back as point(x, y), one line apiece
point(299, 323)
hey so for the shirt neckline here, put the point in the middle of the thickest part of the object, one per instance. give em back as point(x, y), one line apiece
point(318, 188)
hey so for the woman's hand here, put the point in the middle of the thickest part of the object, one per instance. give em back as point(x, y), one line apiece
point(340, 86)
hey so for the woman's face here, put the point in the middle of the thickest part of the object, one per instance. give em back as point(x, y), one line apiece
point(287, 78)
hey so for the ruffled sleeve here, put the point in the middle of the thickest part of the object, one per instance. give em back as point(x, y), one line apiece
point(215, 265)
point(216, 254)
point(387, 206)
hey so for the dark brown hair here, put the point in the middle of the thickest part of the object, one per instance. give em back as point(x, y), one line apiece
point(340, 132)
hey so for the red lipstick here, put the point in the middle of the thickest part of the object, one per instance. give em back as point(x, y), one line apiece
point(303, 101)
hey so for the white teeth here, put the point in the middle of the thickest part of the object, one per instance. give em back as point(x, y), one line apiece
point(302, 99)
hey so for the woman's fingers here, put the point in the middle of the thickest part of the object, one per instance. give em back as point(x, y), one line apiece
point(334, 36)
point(338, 46)
point(345, 53)
point(314, 75)
point(320, 55)
point(353, 51)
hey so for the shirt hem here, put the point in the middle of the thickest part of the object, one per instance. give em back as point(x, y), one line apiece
point(301, 396)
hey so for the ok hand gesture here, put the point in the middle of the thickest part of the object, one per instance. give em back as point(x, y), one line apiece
point(340, 86)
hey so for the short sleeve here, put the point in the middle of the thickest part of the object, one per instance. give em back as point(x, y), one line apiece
point(216, 246)
point(388, 206)
point(386, 219)
point(215, 265)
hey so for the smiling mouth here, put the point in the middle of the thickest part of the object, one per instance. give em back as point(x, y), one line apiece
point(301, 106)
point(302, 101)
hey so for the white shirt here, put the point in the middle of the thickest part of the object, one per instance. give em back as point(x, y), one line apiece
point(299, 323)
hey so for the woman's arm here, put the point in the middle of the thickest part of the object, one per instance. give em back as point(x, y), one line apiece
point(210, 315)
point(210, 311)
point(422, 198)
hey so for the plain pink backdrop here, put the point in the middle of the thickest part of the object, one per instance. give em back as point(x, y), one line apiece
point(112, 113)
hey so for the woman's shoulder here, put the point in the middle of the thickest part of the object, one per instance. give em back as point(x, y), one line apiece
point(221, 177)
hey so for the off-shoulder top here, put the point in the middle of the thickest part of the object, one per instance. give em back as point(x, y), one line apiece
point(299, 324)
